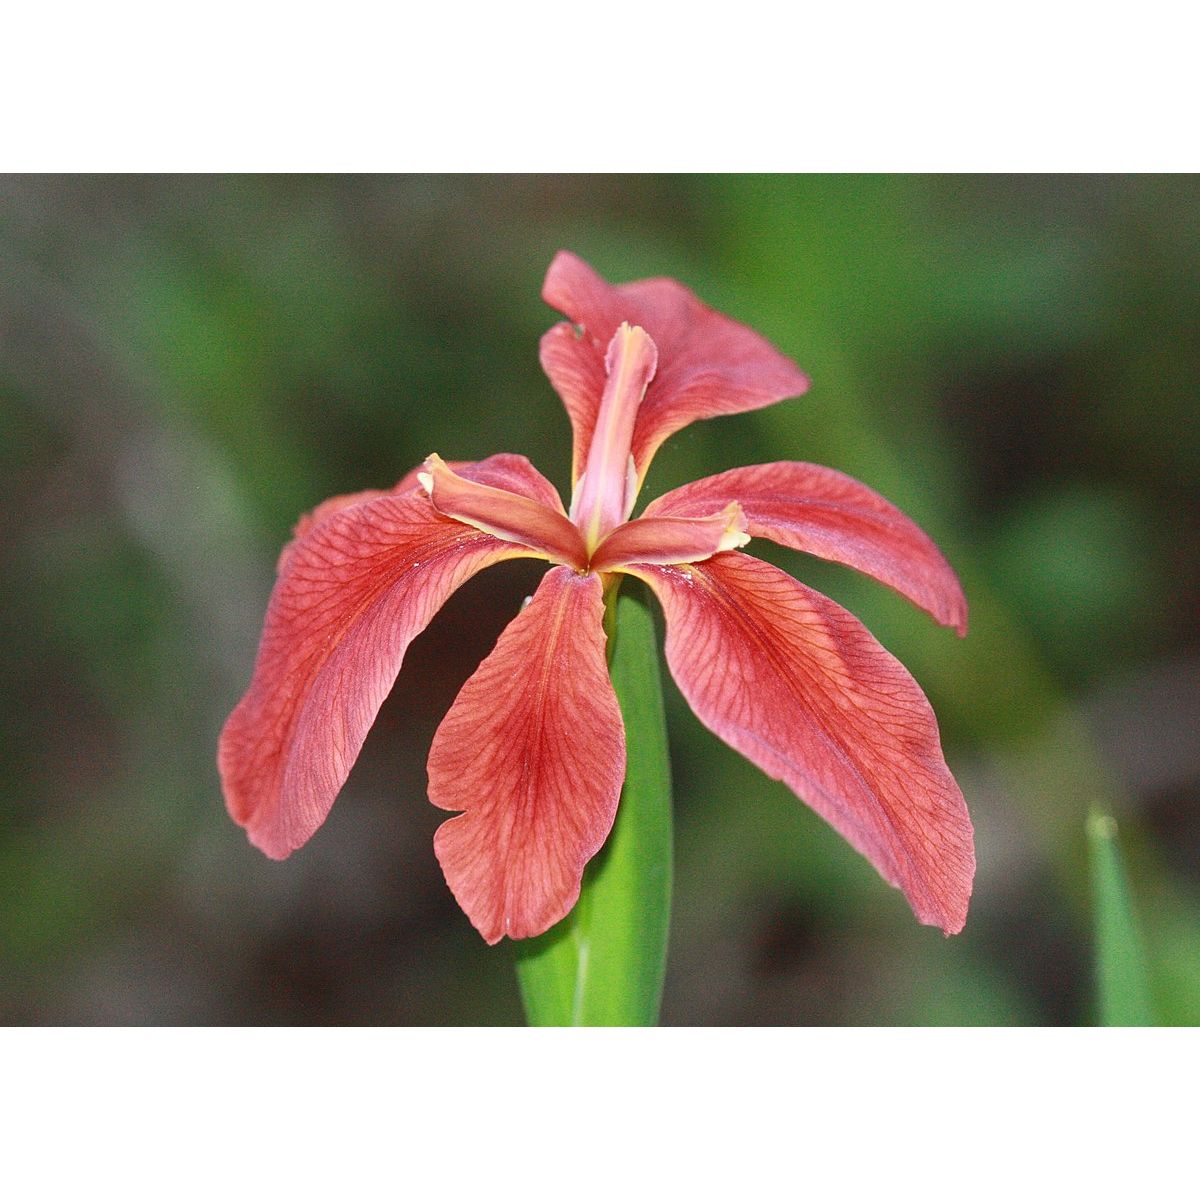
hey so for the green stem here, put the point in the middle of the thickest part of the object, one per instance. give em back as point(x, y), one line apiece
point(603, 964)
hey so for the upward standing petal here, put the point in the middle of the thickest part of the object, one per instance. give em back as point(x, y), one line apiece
point(606, 493)
point(797, 685)
point(533, 754)
point(355, 588)
point(708, 364)
point(577, 372)
point(824, 512)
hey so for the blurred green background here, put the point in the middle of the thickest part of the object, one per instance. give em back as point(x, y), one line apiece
point(186, 364)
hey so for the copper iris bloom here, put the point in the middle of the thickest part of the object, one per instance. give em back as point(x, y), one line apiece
point(532, 753)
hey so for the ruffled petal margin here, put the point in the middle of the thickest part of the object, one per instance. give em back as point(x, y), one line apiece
point(796, 684)
point(532, 754)
point(823, 512)
point(362, 580)
point(708, 364)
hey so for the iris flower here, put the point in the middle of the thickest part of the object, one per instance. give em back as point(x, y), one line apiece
point(531, 754)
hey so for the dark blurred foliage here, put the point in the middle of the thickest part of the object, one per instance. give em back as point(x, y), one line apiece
point(186, 364)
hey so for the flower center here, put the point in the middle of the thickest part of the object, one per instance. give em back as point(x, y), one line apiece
point(607, 488)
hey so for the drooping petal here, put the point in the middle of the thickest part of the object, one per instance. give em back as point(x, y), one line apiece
point(326, 508)
point(708, 364)
point(797, 685)
point(353, 593)
point(503, 514)
point(824, 512)
point(672, 539)
point(532, 753)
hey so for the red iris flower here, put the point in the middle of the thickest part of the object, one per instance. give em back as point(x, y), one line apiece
point(532, 752)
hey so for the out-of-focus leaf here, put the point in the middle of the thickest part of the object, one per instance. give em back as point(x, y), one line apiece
point(1123, 990)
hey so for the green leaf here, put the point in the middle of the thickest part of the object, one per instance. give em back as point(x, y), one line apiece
point(603, 964)
point(1124, 993)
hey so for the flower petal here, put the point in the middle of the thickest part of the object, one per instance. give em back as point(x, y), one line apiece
point(503, 514)
point(327, 508)
point(672, 539)
point(607, 489)
point(513, 472)
point(577, 374)
point(532, 752)
point(354, 591)
point(826, 513)
point(797, 685)
point(708, 364)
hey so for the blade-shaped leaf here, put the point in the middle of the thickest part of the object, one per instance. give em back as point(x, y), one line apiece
point(604, 963)
point(1123, 989)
